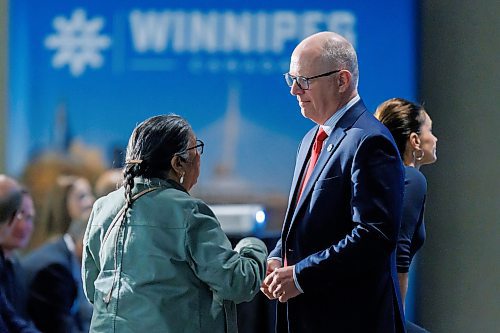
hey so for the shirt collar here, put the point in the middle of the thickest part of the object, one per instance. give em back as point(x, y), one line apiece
point(329, 125)
point(70, 244)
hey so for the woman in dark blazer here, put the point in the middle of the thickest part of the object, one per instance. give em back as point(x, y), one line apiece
point(411, 128)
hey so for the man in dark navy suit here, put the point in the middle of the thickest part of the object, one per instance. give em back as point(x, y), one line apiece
point(333, 270)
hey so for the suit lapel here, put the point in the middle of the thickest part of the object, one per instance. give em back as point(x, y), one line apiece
point(300, 164)
point(334, 140)
point(329, 147)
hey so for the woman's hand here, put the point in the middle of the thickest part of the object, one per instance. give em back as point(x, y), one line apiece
point(272, 265)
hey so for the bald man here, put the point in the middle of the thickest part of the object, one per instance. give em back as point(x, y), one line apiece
point(333, 269)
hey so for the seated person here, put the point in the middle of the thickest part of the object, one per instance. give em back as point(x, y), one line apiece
point(18, 239)
point(10, 201)
point(55, 294)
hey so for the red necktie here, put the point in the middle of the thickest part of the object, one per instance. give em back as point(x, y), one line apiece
point(318, 144)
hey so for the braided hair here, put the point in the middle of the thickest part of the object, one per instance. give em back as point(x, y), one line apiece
point(151, 147)
point(402, 118)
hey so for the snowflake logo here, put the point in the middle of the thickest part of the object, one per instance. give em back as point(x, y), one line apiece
point(77, 42)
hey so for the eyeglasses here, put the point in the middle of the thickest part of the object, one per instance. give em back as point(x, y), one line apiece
point(20, 215)
point(302, 81)
point(199, 147)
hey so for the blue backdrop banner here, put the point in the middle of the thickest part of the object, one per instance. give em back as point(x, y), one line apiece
point(90, 70)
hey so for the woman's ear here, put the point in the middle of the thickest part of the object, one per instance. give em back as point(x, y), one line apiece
point(176, 163)
point(414, 141)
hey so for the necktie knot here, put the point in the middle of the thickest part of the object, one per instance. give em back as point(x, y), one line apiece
point(318, 143)
point(321, 135)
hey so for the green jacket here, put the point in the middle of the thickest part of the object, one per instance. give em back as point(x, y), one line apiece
point(169, 267)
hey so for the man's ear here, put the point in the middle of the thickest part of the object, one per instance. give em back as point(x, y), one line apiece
point(414, 140)
point(344, 80)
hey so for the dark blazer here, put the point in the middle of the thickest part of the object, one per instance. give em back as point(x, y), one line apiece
point(341, 235)
point(412, 231)
point(10, 320)
point(52, 276)
point(14, 288)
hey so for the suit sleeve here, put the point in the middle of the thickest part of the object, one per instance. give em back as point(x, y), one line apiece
point(276, 252)
point(413, 206)
point(232, 275)
point(12, 321)
point(376, 197)
point(51, 297)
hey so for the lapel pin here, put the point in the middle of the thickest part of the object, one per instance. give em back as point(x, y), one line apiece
point(329, 148)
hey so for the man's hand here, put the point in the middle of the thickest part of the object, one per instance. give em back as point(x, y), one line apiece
point(280, 284)
point(272, 265)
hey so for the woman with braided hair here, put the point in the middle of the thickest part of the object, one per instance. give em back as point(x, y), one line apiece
point(155, 258)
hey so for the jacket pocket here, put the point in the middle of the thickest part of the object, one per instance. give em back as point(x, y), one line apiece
point(327, 182)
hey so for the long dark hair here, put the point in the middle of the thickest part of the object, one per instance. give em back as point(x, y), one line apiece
point(151, 147)
point(402, 118)
point(54, 217)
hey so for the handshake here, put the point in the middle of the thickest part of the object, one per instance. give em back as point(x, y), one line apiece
point(279, 282)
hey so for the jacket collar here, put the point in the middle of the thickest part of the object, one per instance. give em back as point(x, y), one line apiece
point(142, 183)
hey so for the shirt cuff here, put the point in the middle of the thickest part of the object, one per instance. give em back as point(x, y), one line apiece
point(297, 285)
point(276, 258)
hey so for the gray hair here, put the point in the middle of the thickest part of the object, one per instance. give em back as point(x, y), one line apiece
point(343, 56)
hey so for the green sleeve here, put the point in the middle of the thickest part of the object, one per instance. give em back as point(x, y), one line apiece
point(89, 267)
point(232, 275)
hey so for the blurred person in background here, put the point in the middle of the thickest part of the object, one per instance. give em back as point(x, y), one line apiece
point(55, 299)
point(109, 181)
point(411, 128)
point(11, 198)
point(18, 238)
point(70, 198)
point(155, 258)
point(333, 268)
